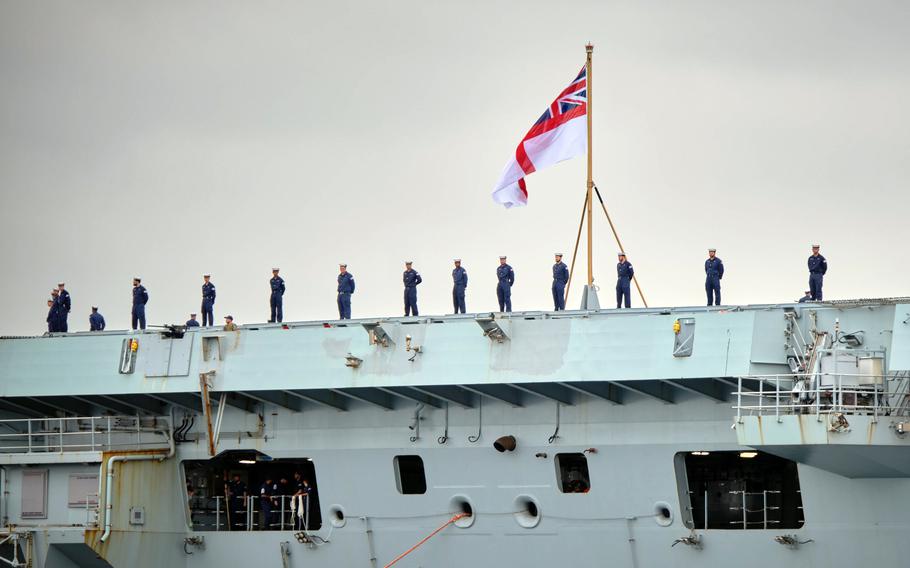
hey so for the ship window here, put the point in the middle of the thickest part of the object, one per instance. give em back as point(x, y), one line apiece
point(572, 470)
point(738, 490)
point(410, 476)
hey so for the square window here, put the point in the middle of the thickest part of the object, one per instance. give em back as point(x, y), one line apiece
point(410, 476)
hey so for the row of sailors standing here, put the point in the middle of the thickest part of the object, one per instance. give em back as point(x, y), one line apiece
point(60, 303)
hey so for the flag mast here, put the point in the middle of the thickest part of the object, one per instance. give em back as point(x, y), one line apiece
point(589, 48)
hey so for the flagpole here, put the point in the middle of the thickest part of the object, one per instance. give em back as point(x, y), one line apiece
point(589, 48)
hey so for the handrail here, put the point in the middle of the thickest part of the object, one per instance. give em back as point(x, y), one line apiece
point(825, 394)
point(83, 434)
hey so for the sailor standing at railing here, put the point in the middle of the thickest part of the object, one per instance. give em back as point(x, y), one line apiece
point(345, 289)
point(714, 271)
point(506, 278)
point(237, 503)
point(140, 299)
point(276, 300)
point(459, 285)
point(208, 301)
point(300, 502)
point(560, 278)
point(818, 266)
point(624, 274)
point(411, 278)
point(267, 495)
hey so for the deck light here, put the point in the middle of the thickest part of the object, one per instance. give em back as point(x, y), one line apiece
point(701, 453)
point(748, 454)
point(247, 462)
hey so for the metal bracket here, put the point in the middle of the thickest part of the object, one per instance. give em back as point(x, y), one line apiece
point(195, 541)
point(790, 540)
point(378, 335)
point(492, 329)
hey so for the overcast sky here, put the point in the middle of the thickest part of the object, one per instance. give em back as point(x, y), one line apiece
point(168, 139)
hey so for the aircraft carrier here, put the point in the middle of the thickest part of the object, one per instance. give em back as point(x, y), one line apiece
point(747, 436)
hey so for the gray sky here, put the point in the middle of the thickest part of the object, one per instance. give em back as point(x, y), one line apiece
point(167, 139)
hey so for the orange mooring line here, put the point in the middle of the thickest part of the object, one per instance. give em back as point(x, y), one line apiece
point(426, 538)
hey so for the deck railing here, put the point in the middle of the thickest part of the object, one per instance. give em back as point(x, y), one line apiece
point(83, 434)
point(824, 395)
point(246, 514)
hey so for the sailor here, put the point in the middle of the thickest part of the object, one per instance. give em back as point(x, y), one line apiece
point(67, 304)
point(460, 283)
point(300, 504)
point(505, 277)
point(229, 324)
point(284, 494)
point(140, 299)
point(267, 492)
point(345, 289)
point(192, 322)
point(624, 274)
point(208, 300)
point(96, 320)
point(818, 266)
point(560, 278)
point(714, 271)
point(277, 298)
point(806, 298)
point(411, 278)
point(236, 502)
point(52, 313)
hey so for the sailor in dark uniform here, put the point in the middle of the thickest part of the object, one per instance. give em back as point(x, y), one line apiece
point(96, 320)
point(411, 278)
point(560, 278)
point(818, 266)
point(66, 305)
point(208, 301)
point(52, 313)
point(268, 495)
point(624, 274)
point(276, 300)
point(714, 271)
point(345, 289)
point(505, 277)
point(237, 503)
point(192, 322)
point(460, 283)
point(806, 298)
point(140, 299)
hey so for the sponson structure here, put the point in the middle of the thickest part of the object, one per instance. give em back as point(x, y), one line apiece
point(763, 435)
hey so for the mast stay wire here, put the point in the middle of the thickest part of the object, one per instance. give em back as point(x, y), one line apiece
point(581, 223)
point(615, 236)
point(618, 242)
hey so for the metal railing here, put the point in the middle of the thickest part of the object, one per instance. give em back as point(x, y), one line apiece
point(83, 434)
point(246, 514)
point(823, 395)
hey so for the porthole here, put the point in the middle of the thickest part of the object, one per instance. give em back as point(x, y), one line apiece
point(527, 511)
point(462, 504)
point(663, 514)
point(336, 516)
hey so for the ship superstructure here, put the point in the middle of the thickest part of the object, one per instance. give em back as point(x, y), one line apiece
point(769, 434)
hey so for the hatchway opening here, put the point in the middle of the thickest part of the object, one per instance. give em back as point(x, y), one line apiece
point(738, 490)
point(244, 490)
point(572, 473)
